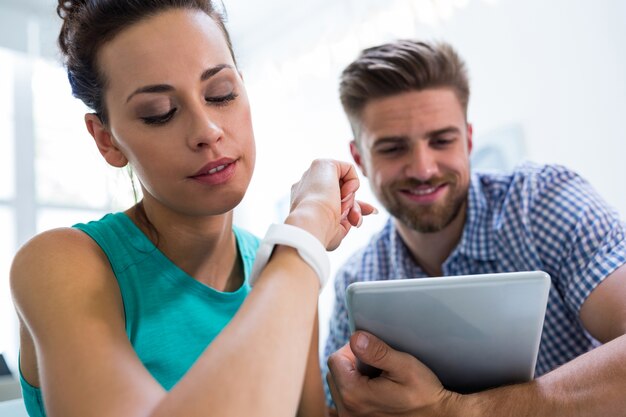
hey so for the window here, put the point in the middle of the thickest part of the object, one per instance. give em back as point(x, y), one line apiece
point(8, 332)
point(66, 183)
point(7, 150)
point(82, 179)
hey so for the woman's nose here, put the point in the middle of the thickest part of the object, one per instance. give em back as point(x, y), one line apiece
point(204, 129)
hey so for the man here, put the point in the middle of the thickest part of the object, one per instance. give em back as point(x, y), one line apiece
point(407, 105)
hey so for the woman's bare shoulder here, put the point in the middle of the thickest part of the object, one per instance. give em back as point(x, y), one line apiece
point(67, 301)
point(56, 249)
point(56, 237)
point(59, 263)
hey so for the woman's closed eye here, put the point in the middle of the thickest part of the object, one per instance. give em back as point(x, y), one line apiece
point(150, 118)
point(221, 100)
point(159, 119)
point(221, 91)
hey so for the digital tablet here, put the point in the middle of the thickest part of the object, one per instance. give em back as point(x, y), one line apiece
point(473, 331)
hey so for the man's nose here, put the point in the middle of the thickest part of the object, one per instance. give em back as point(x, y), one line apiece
point(422, 165)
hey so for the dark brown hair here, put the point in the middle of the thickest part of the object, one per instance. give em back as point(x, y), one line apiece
point(398, 67)
point(88, 24)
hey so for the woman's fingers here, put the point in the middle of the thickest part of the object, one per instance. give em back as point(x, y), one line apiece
point(367, 208)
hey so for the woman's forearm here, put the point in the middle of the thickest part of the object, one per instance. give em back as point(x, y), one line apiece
point(256, 366)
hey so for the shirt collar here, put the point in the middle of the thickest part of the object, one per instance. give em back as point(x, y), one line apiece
point(478, 238)
point(403, 265)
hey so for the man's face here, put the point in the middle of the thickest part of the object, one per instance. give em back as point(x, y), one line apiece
point(414, 148)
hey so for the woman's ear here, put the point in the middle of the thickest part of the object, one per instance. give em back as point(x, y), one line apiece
point(104, 141)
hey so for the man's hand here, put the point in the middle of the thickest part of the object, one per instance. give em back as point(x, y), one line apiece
point(405, 387)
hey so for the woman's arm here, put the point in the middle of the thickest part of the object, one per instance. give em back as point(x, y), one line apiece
point(313, 402)
point(66, 296)
point(88, 367)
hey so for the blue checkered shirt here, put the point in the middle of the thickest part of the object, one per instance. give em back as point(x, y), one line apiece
point(535, 218)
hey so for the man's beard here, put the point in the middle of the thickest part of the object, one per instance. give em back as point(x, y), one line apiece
point(425, 218)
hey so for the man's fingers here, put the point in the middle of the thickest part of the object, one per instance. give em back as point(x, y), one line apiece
point(349, 389)
point(397, 367)
point(342, 361)
point(374, 352)
point(334, 392)
point(369, 348)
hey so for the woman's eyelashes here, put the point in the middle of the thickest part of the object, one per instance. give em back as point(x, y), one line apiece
point(222, 99)
point(159, 119)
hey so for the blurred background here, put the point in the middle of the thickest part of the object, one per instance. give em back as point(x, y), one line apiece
point(547, 83)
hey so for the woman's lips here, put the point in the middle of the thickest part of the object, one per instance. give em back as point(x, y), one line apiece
point(217, 169)
point(216, 173)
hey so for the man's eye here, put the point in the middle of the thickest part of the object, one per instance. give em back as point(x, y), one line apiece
point(160, 118)
point(442, 141)
point(390, 150)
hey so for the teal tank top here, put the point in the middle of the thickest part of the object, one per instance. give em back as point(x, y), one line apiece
point(170, 317)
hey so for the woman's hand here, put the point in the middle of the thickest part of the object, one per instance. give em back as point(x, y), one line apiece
point(323, 201)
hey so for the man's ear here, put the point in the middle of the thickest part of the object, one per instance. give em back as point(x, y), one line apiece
point(356, 155)
point(104, 141)
point(470, 132)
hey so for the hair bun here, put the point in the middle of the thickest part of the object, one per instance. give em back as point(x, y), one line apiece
point(68, 11)
point(67, 8)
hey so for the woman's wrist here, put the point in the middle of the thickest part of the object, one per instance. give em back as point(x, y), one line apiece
point(308, 246)
point(315, 218)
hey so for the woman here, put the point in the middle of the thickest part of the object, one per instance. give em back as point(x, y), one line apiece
point(147, 312)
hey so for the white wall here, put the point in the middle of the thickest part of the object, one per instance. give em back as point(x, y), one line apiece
point(554, 69)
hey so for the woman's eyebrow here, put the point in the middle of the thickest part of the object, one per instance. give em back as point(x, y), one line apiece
point(157, 88)
point(214, 70)
point(163, 88)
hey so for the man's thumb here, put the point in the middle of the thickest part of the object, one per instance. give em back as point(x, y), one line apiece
point(372, 351)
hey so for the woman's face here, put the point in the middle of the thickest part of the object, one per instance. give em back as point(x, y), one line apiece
point(179, 113)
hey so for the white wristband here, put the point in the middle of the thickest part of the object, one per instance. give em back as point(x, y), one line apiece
point(308, 246)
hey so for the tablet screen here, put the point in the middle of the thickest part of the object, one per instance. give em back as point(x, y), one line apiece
point(473, 331)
